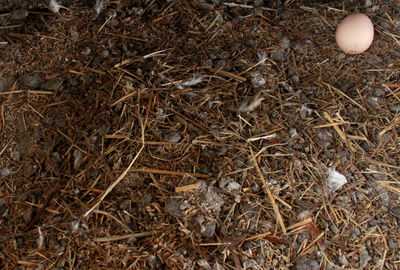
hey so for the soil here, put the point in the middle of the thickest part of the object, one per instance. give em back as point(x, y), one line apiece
point(198, 135)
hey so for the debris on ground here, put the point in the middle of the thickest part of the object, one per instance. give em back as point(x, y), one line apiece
point(197, 135)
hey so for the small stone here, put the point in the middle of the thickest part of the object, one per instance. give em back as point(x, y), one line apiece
point(204, 264)
point(78, 158)
point(74, 225)
point(251, 264)
point(173, 137)
point(285, 43)
point(207, 229)
point(154, 262)
point(373, 9)
point(324, 143)
point(5, 172)
point(364, 258)
point(278, 57)
point(61, 263)
point(105, 54)
point(295, 79)
point(15, 155)
point(367, 3)
point(343, 261)
point(113, 22)
point(392, 244)
point(261, 57)
point(74, 34)
point(213, 201)
point(324, 135)
point(286, 86)
point(27, 215)
point(256, 188)
point(53, 84)
point(218, 266)
point(19, 14)
point(87, 79)
point(257, 80)
point(125, 204)
point(48, 120)
point(233, 186)
point(147, 199)
point(374, 60)
point(2, 202)
point(30, 170)
point(172, 207)
point(92, 142)
point(394, 108)
point(4, 83)
point(60, 123)
point(379, 92)
point(356, 231)
point(204, 5)
point(305, 263)
point(127, 219)
point(33, 81)
point(373, 102)
point(304, 111)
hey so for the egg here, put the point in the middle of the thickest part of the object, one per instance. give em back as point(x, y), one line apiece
point(355, 33)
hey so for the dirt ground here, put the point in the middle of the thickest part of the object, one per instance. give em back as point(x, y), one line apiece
point(198, 135)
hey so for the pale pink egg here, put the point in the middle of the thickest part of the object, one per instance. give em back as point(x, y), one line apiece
point(355, 33)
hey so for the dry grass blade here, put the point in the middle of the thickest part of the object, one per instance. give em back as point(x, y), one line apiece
point(394, 123)
point(96, 211)
point(270, 196)
point(339, 131)
point(187, 187)
point(296, 226)
point(390, 187)
point(268, 236)
point(112, 186)
point(123, 237)
point(344, 95)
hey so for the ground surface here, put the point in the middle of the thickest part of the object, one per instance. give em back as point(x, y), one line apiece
point(186, 135)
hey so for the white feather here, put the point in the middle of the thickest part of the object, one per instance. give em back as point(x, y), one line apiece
point(40, 240)
point(99, 6)
point(195, 80)
point(249, 107)
point(54, 6)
